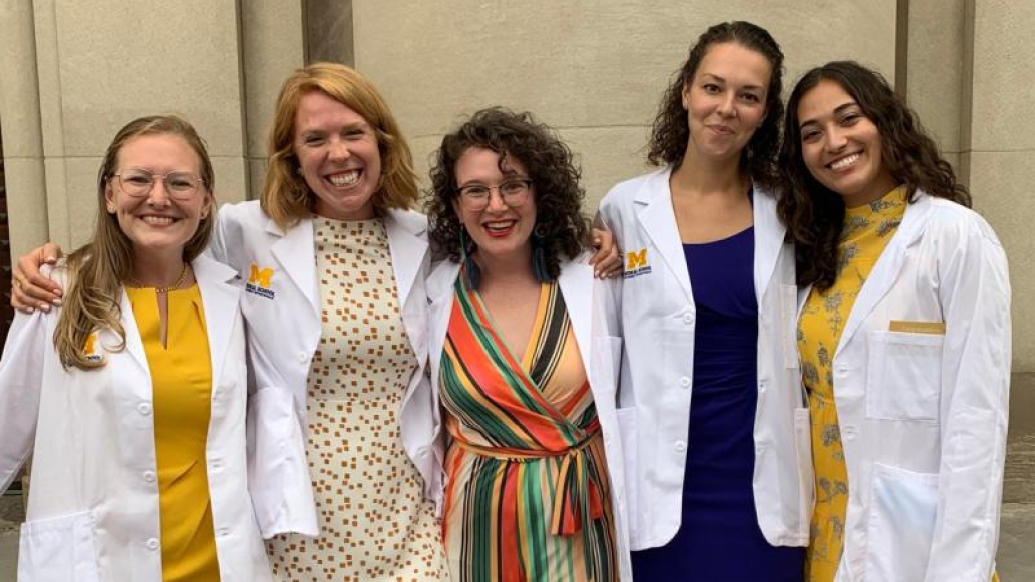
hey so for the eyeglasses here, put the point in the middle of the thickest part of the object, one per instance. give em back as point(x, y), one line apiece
point(179, 185)
point(475, 197)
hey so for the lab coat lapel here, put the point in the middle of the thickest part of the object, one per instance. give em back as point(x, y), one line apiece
point(887, 267)
point(658, 222)
point(576, 282)
point(769, 240)
point(408, 248)
point(295, 253)
point(220, 298)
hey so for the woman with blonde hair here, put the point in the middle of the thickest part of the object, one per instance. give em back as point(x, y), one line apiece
point(131, 397)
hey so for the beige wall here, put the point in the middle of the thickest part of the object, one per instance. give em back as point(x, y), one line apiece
point(74, 72)
point(595, 71)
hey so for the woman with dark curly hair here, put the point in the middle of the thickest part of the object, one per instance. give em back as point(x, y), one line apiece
point(904, 338)
point(522, 360)
point(712, 412)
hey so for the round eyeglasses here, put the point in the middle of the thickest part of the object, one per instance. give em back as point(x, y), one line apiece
point(179, 185)
point(475, 197)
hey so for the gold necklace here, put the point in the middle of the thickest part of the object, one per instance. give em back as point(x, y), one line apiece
point(173, 287)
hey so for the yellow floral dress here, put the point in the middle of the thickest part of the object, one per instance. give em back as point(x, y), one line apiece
point(867, 230)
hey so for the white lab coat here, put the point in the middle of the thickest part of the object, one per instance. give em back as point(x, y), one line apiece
point(658, 316)
point(93, 506)
point(923, 416)
point(281, 306)
point(593, 314)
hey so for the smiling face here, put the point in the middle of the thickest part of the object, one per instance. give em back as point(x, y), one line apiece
point(157, 224)
point(841, 147)
point(499, 231)
point(725, 100)
point(338, 154)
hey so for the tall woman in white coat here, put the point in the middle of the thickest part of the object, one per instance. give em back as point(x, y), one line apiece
point(523, 359)
point(904, 338)
point(131, 397)
point(713, 419)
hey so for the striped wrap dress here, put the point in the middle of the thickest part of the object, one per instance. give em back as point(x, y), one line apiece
point(528, 496)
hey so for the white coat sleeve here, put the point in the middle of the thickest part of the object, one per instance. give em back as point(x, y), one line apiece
point(975, 297)
point(21, 381)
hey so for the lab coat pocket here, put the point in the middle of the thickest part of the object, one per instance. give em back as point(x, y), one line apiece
point(278, 473)
point(904, 376)
point(903, 507)
point(58, 549)
point(629, 435)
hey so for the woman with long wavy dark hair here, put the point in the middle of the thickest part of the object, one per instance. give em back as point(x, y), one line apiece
point(715, 433)
point(904, 338)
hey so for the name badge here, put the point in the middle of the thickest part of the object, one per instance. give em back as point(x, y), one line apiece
point(928, 327)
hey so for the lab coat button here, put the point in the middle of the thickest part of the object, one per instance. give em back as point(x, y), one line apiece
point(684, 382)
point(688, 318)
point(223, 532)
point(302, 357)
point(680, 446)
point(152, 544)
point(762, 386)
point(848, 432)
point(144, 408)
point(149, 476)
point(842, 370)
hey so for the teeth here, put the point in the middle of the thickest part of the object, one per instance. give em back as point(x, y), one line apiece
point(500, 225)
point(844, 162)
point(346, 179)
point(158, 220)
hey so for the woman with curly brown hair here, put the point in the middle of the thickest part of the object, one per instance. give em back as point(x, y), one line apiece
point(712, 418)
point(904, 338)
point(522, 360)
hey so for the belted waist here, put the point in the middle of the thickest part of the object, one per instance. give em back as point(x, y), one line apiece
point(578, 499)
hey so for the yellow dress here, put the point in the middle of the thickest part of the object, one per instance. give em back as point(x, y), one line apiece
point(867, 230)
point(181, 381)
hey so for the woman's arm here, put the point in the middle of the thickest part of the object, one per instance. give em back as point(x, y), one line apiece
point(975, 297)
point(21, 379)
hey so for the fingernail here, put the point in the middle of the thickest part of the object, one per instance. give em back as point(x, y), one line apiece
point(44, 308)
point(57, 302)
point(27, 310)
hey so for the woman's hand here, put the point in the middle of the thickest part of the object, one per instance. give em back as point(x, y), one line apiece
point(31, 289)
point(607, 262)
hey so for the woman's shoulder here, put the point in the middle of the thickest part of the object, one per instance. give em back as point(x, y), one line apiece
point(951, 219)
point(626, 191)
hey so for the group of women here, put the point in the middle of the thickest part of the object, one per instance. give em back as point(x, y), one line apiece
point(802, 373)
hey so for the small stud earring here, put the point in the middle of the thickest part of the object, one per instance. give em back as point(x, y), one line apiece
point(299, 171)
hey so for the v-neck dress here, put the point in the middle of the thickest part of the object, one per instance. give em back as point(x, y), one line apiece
point(719, 537)
point(528, 496)
point(181, 386)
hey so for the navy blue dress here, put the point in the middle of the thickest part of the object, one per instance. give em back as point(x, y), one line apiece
point(719, 537)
